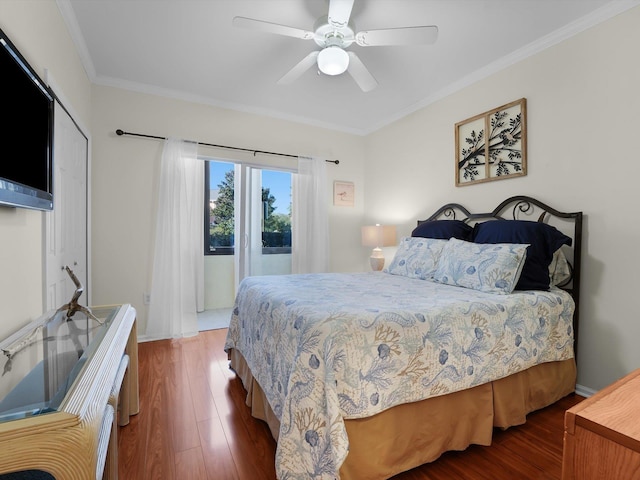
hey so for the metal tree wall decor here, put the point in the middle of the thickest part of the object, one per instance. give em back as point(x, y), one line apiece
point(492, 145)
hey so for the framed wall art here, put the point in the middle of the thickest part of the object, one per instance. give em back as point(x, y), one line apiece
point(492, 145)
point(343, 193)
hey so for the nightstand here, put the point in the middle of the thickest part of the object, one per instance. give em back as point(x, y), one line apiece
point(602, 434)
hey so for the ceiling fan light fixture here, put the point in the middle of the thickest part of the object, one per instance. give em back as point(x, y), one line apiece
point(333, 60)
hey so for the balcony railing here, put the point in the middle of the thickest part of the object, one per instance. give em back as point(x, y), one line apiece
point(272, 243)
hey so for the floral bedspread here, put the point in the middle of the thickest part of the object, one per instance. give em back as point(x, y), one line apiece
point(329, 347)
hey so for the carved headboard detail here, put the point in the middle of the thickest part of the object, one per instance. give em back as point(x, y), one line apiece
point(522, 207)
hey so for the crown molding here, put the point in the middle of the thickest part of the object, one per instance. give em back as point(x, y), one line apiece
point(69, 17)
point(610, 10)
point(598, 16)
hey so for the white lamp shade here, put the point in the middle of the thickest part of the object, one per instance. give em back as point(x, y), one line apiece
point(333, 60)
point(379, 235)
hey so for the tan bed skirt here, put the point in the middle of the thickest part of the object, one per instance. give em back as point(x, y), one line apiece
point(412, 434)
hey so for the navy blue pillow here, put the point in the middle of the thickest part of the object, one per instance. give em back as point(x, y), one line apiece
point(444, 230)
point(543, 241)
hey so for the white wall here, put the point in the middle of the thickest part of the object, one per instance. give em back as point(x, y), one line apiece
point(219, 283)
point(582, 112)
point(219, 277)
point(125, 171)
point(38, 31)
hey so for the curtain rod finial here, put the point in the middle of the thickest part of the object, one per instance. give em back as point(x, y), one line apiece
point(119, 132)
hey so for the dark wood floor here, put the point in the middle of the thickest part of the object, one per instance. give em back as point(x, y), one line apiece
point(194, 424)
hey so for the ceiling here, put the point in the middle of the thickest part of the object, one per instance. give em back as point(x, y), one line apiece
point(189, 49)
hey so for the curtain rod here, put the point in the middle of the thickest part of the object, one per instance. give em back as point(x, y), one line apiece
point(122, 132)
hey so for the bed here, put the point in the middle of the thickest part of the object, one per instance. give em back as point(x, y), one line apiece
point(366, 375)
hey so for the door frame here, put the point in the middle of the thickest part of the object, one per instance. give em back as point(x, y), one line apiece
point(64, 103)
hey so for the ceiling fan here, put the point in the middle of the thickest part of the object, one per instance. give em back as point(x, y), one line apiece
point(334, 34)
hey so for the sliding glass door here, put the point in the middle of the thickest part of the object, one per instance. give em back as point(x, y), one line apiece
point(248, 217)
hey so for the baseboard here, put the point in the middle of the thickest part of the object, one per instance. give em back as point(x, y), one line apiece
point(153, 338)
point(584, 391)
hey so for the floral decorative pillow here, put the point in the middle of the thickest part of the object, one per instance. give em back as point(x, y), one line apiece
point(543, 241)
point(491, 268)
point(559, 269)
point(416, 257)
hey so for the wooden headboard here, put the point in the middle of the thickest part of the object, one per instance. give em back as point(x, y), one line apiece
point(522, 207)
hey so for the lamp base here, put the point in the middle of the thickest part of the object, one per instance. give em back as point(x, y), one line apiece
point(376, 260)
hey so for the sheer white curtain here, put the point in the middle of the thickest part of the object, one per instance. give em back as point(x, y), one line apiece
point(177, 282)
point(309, 217)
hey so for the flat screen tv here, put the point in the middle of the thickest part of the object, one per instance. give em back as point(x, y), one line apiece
point(26, 133)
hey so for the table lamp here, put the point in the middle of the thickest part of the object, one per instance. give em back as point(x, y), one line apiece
point(377, 236)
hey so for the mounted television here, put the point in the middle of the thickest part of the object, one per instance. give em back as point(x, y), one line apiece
point(26, 133)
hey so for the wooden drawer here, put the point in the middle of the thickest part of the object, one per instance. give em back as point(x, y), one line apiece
point(602, 434)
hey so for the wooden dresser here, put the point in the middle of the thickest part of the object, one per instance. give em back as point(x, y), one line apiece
point(602, 434)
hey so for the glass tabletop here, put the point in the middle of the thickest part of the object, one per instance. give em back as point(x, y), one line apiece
point(41, 364)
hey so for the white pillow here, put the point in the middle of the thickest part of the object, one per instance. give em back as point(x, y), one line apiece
point(416, 257)
point(559, 269)
point(488, 267)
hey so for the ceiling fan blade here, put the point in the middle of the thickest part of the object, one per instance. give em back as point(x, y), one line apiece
point(339, 12)
point(398, 36)
point(269, 27)
point(305, 64)
point(360, 74)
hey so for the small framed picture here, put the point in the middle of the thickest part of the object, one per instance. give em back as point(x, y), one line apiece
point(343, 194)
